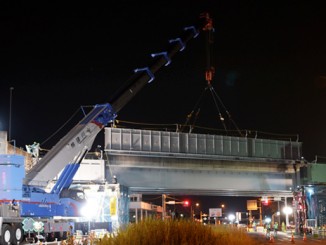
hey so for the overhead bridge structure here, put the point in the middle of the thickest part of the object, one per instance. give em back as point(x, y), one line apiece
point(155, 162)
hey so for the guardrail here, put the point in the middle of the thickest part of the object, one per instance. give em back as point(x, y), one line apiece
point(319, 233)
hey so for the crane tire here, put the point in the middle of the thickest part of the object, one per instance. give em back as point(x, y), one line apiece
point(18, 234)
point(6, 232)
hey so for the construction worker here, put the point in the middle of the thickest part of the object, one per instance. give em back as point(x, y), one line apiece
point(275, 228)
point(268, 231)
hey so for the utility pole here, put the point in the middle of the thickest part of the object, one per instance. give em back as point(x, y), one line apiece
point(192, 213)
point(163, 206)
point(278, 210)
point(10, 109)
point(260, 215)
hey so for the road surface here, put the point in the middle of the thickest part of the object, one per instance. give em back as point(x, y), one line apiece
point(286, 238)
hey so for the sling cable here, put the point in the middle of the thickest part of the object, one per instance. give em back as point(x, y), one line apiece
point(192, 117)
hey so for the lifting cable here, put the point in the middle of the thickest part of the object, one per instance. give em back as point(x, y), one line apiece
point(209, 74)
point(190, 115)
point(218, 108)
point(69, 119)
point(226, 111)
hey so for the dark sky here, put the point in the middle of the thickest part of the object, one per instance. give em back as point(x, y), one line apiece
point(269, 56)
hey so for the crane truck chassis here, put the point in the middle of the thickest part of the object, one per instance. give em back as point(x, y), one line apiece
point(30, 201)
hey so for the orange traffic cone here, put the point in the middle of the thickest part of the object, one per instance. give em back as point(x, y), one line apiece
point(292, 238)
point(271, 238)
point(304, 237)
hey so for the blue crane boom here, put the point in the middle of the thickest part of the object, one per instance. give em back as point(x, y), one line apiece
point(34, 198)
point(70, 150)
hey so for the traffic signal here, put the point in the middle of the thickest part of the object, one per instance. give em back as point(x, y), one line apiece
point(264, 200)
point(186, 203)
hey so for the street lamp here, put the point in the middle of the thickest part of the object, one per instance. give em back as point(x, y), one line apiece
point(287, 211)
point(200, 213)
point(10, 106)
point(231, 218)
point(222, 207)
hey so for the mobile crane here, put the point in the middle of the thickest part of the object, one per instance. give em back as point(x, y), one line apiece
point(31, 194)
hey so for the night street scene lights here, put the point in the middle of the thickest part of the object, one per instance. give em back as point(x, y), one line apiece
point(186, 203)
point(231, 218)
point(197, 213)
point(222, 207)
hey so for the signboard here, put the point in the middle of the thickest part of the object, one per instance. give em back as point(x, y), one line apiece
point(28, 224)
point(215, 212)
point(252, 205)
point(170, 202)
point(38, 226)
point(113, 206)
point(277, 199)
point(238, 216)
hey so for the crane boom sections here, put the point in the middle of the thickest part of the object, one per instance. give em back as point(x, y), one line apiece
point(69, 149)
point(80, 139)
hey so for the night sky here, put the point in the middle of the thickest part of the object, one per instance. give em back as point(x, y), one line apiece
point(270, 61)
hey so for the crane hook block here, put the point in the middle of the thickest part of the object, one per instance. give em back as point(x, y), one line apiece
point(192, 28)
point(180, 42)
point(165, 54)
point(148, 71)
